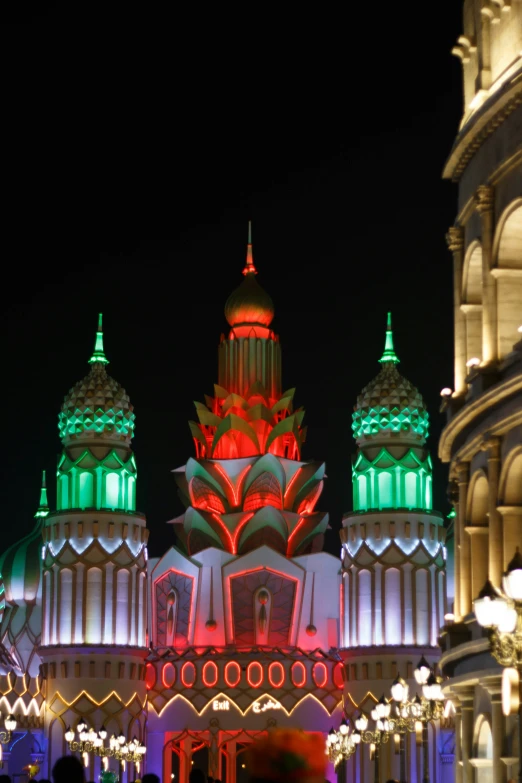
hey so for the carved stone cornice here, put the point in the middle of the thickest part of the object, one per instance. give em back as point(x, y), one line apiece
point(462, 153)
point(491, 444)
point(455, 238)
point(484, 198)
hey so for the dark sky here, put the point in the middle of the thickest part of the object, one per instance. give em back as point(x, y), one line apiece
point(336, 158)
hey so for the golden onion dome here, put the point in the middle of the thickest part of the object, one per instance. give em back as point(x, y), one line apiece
point(249, 304)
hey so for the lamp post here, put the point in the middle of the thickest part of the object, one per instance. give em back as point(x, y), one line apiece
point(6, 736)
point(500, 612)
point(340, 744)
point(89, 742)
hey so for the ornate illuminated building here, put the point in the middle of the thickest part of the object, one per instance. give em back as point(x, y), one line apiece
point(482, 440)
point(393, 594)
point(246, 623)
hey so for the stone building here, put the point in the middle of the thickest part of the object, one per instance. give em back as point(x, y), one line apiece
point(482, 439)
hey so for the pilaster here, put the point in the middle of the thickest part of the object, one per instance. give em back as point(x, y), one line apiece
point(484, 201)
point(496, 565)
point(464, 552)
point(455, 240)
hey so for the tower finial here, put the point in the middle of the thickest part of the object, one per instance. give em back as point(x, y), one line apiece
point(98, 354)
point(43, 508)
point(249, 266)
point(389, 354)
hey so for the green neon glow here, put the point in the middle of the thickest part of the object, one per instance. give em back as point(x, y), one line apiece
point(388, 482)
point(389, 354)
point(43, 508)
point(390, 402)
point(99, 355)
point(88, 482)
point(452, 514)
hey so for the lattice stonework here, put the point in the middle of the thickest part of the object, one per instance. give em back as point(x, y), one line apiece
point(97, 404)
point(390, 402)
point(282, 591)
point(182, 586)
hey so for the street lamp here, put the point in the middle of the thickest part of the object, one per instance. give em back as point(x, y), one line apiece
point(500, 612)
point(340, 744)
point(89, 742)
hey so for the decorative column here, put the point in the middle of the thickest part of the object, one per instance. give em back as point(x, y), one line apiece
point(499, 732)
point(464, 553)
point(455, 240)
point(466, 701)
point(496, 555)
point(484, 206)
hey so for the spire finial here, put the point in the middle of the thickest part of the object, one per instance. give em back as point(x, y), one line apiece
point(43, 508)
point(249, 266)
point(98, 354)
point(389, 354)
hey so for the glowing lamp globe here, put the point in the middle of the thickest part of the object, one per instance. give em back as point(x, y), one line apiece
point(423, 671)
point(343, 728)
point(489, 606)
point(103, 732)
point(512, 579)
point(399, 689)
point(10, 723)
point(121, 739)
point(69, 735)
point(361, 723)
point(356, 736)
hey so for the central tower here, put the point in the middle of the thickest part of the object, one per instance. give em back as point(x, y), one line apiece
point(241, 637)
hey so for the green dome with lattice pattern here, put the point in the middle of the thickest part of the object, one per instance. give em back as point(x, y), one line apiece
point(97, 406)
point(390, 403)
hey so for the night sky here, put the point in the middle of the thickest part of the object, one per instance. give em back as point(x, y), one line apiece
point(337, 161)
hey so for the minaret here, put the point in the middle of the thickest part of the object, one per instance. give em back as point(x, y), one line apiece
point(393, 559)
point(94, 572)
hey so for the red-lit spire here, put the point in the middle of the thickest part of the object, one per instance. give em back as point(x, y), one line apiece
point(249, 266)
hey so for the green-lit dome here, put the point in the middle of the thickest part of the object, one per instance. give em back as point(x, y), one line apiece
point(390, 403)
point(97, 406)
point(20, 565)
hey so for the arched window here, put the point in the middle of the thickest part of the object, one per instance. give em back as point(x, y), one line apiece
point(122, 607)
point(93, 606)
point(385, 490)
point(66, 607)
point(484, 751)
point(86, 486)
point(365, 608)
point(264, 491)
point(131, 493)
point(64, 492)
point(509, 281)
point(112, 490)
point(362, 493)
point(411, 483)
point(392, 617)
point(478, 509)
point(205, 497)
point(427, 499)
point(512, 482)
point(422, 635)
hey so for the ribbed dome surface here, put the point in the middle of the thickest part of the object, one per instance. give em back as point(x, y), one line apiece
point(249, 304)
point(20, 567)
point(97, 406)
point(390, 403)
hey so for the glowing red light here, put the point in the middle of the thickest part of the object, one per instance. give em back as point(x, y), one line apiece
point(291, 483)
point(300, 523)
point(188, 674)
point(338, 675)
point(298, 674)
point(320, 674)
point(232, 674)
point(210, 674)
point(150, 676)
point(276, 674)
point(255, 674)
point(168, 675)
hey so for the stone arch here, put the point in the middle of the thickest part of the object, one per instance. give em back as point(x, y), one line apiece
point(510, 484)
point(507, 258)
point(507, 246)
point(483, 748)
point(472, 274)
point(478, 500)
